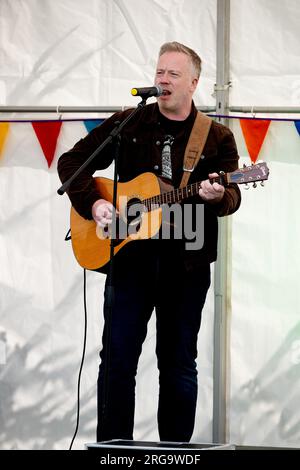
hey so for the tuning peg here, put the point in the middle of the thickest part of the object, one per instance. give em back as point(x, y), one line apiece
point(246, 186)
point(254, 185)
point(262, 183)
point(244, 165)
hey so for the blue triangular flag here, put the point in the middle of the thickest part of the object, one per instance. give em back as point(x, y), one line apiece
point(297, 124)
point(90, 124)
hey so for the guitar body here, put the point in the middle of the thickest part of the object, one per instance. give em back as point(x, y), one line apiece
point(91, 248)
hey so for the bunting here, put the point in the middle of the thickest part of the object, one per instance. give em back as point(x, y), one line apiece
point(4, 126)
point(90, 125)
point(47, 134)
point(254, 131)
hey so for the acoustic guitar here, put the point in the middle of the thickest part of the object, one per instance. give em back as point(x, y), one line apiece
point(139, 206)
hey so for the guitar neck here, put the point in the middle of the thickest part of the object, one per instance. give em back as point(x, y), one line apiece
point(245, 175)
point(177, 195)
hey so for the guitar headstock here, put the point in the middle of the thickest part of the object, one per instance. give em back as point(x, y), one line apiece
point(249, 174)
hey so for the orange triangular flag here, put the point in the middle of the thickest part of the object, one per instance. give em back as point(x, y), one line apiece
point(254, 131)
point(47, 132)
point(4, 126)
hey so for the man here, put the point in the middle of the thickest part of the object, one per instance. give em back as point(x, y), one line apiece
point(157, 274)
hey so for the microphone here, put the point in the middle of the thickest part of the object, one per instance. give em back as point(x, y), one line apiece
point(146, 92)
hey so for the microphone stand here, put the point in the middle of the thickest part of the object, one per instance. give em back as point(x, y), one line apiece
point(115, 138)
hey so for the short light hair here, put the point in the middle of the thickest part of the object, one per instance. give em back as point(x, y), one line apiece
point(178, 47)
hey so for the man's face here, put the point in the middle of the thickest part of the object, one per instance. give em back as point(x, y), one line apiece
point(176, 76)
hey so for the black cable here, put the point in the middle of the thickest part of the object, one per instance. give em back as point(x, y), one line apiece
point(82, 359)
point(68, 235)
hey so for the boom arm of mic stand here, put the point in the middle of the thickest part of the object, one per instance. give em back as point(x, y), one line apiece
point(114, 133)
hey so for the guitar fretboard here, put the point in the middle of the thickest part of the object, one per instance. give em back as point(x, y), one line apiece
point(251, 174)
point(174, 196)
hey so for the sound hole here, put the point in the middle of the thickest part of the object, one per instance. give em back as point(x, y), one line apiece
point(128, 223)
point(134, 211)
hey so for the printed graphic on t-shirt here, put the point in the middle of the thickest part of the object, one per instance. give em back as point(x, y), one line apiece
point(166, 164)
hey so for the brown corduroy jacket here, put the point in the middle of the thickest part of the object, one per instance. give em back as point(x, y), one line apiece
point(141, 147)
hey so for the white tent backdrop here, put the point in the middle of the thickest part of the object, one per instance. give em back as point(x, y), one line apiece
point(74, 53)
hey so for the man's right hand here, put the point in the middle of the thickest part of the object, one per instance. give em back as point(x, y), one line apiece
point(102, 212)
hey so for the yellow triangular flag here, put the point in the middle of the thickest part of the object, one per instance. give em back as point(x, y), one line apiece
point(4, 126)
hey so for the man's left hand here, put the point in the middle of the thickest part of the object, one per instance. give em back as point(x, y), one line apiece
point(211, 192)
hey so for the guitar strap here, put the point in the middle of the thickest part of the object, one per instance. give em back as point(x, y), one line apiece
point(195, 146)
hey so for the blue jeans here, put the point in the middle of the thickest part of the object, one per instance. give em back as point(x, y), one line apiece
point(158, 280)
